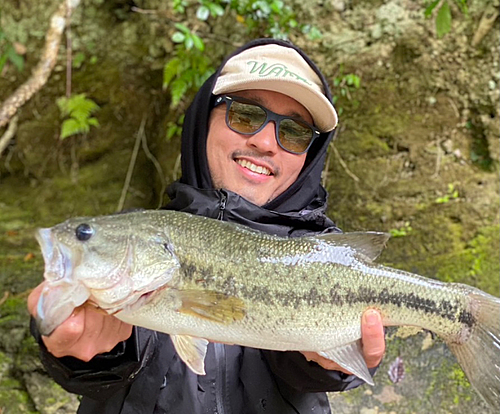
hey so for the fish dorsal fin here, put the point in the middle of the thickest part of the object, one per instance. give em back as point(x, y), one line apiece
point(192, 351)
point(369, 244)
point(211, 305)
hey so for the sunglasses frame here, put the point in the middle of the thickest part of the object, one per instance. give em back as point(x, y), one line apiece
point(270, 116)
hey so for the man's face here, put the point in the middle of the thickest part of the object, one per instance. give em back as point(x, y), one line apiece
point(254, 166)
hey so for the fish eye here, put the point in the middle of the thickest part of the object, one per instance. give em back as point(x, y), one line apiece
point(84, 232)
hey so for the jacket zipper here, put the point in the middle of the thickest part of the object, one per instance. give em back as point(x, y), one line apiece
point(220, 350)
point(222, 205)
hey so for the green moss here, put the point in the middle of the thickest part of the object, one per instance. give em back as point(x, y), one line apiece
point(15, 401)
point(477, 264)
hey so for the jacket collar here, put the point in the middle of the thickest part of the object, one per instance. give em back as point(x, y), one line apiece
point(228, 206)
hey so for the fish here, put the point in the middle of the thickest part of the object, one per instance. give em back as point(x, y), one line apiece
point(203, 280)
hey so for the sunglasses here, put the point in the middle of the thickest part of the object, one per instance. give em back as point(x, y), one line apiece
point(247, 117)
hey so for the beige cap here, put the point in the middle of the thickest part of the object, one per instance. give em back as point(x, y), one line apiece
point(280, 69)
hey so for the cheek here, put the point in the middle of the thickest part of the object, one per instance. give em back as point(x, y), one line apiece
point(292, 166)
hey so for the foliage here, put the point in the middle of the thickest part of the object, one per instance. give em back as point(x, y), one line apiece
point(175, 128)
point(186, 72)
point(78, 109)
point(190, 67)
point(443, 16)
point(452, 194)
point(344, 85)
point(272, 17)
point(403, 231)
point(8, 53)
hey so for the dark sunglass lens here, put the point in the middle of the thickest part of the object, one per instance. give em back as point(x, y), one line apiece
point(295, 136)
point(245, 118)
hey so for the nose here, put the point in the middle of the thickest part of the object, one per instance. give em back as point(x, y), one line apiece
point(265, 140)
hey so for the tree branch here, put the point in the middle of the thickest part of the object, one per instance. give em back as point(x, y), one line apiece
point(44, 67)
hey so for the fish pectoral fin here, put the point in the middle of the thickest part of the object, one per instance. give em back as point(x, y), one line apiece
point(192, 351)
point(351, 358)
point(211, 305)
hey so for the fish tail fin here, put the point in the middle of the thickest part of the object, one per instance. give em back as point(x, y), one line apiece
point(478, 353)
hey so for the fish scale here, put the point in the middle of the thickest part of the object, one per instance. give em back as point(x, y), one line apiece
point(202, 280)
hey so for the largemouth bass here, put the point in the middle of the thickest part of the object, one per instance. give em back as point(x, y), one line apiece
point(202, 280)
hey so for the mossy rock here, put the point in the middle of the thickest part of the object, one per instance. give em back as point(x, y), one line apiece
point(432, 381)
point(49, 397)
point(13, 396)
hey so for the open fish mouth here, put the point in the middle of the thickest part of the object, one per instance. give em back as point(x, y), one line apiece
point(57, 258)
point(60, 294)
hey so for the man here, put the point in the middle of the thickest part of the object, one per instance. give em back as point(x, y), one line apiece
point(253, 148)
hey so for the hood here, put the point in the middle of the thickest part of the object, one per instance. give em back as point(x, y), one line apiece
point(306, 193)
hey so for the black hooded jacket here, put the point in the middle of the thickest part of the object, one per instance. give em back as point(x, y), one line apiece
point(144, 374)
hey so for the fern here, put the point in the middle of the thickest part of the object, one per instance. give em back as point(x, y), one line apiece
point(78, 109)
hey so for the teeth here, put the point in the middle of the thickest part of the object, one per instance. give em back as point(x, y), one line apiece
point(255, 168)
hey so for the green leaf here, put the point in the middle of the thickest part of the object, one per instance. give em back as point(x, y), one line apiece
point(178, 37)
point(170, 70)
point(216, 9)
point(198, 43)
point(315, 33)
point(443, 20)
point(79, 108)
point(188, 42)
point(78, 60)
point(262, 6)
point(70, 127)
point(178, 89)
point(430, 8)
point(3, 60)
point(202, 13)
point(93, 122)
point(16, 59)
point(183, 28)
point(462, 4)
point(277, 6)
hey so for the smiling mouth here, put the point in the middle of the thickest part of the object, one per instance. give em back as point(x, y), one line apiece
point(254, 168)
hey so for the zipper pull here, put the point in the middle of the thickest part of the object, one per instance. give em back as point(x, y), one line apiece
point(222, 206)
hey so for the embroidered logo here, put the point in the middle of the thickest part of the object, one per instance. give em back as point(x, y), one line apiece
point(276, 70)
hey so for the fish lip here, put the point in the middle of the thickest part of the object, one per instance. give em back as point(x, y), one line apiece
point(44, 238)
point(58, 258)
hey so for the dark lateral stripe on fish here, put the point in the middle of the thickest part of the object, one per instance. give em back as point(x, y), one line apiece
point(338, 295)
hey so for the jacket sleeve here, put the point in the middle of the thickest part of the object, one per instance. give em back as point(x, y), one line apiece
point(105, 374)
point(307, 376)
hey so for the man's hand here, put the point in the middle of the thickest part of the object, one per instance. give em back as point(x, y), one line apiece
point(372, 339)
point(86, 333)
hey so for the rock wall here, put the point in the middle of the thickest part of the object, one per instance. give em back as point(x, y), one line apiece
point(416, 154)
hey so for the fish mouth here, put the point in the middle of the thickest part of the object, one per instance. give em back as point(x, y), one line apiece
point(60, 294)
point(57, 257)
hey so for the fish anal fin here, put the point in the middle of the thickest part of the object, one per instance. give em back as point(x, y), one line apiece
point(192, 351)
point(211, 305)
point(369, 244)
point(351, 358)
